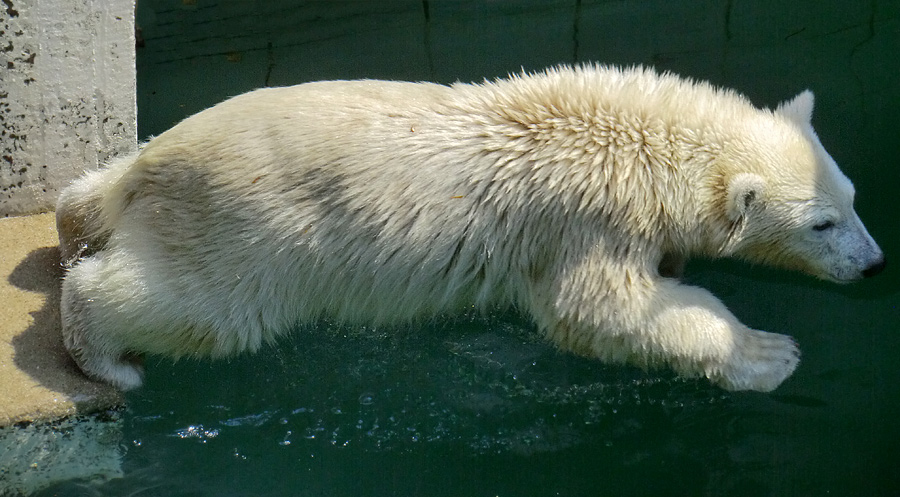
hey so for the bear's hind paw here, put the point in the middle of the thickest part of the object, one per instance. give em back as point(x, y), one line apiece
point(124, 373)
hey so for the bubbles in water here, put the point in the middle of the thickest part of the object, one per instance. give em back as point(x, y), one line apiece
point(197, 432)
point(489, 385)
point(287, 439)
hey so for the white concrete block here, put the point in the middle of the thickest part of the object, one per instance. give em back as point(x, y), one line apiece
point(67, 95)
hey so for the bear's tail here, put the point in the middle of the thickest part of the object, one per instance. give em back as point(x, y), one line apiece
point(83, 220)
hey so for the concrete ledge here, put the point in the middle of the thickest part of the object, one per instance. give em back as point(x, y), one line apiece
point(38, 379)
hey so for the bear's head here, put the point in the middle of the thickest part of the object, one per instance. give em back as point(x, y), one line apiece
point(789, 205)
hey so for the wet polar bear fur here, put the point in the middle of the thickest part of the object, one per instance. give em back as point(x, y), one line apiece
point(573, 194)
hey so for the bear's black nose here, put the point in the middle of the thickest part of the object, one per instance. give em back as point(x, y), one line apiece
point(874, 268)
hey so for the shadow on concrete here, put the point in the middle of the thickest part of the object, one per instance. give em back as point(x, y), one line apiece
point(39, 350)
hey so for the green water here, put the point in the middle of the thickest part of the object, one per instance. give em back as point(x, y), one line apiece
point(478, 406)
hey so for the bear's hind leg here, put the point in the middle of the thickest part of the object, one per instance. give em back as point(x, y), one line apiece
point(90, 337)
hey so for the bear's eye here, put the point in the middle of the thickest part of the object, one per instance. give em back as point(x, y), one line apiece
point(824, 226)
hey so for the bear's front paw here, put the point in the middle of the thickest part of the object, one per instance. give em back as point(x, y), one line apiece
point(760, 361)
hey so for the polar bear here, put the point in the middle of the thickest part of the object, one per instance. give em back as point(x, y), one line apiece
point(574, 194)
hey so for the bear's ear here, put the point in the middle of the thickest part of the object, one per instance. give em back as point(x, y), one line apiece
point(744, 191)
point(799, 109)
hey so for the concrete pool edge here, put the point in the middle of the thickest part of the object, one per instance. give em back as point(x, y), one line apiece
point(38, 380)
